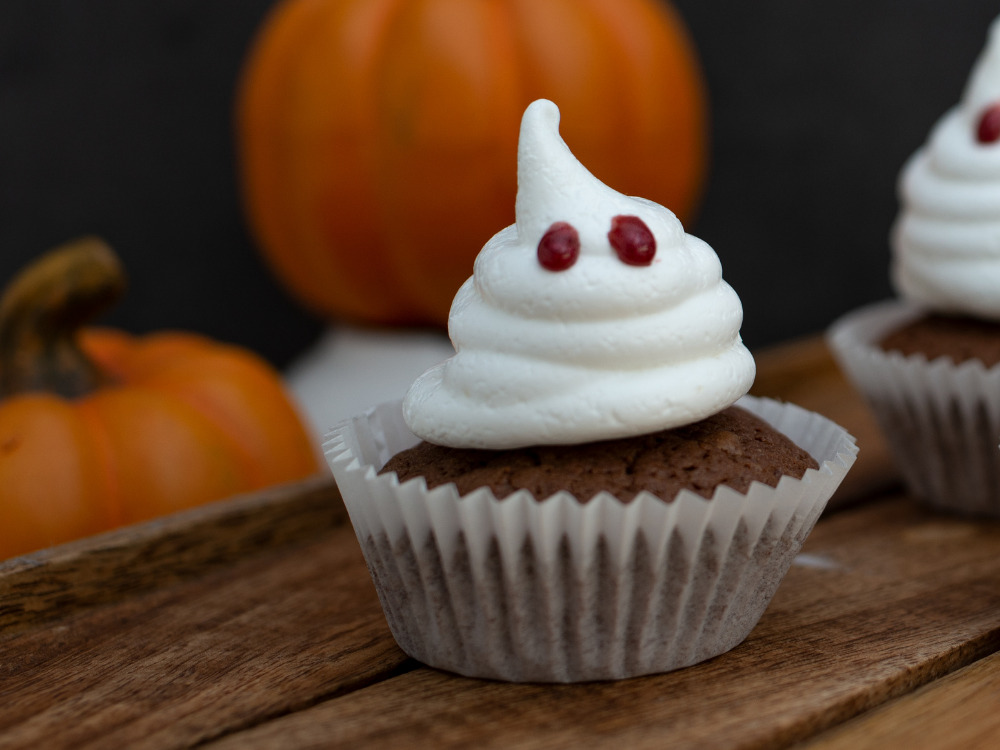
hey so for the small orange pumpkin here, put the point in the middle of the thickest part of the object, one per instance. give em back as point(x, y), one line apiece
point(378, 137)
point(99, 428)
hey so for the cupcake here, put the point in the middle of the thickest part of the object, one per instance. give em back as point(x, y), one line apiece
point(927, 361)
point(583, 491)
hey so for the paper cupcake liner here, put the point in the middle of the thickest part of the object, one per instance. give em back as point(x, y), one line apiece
point(563, 591)
point(940, 420)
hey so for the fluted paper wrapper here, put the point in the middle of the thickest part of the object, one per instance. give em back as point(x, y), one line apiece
point(563, 591)
point(940, 420)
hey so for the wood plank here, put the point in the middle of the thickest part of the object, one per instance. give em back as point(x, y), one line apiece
point(886, 597)
point(185, 663)
point(52, 583)
point(218, 622)
point(804, 372)
point(957, 712)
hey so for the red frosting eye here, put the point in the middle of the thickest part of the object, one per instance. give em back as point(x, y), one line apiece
point(559, 247)
point(989, 125)
point(632, 240)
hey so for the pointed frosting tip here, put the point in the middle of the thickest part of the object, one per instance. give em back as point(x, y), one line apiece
point(541, 112)
point(550, 180)
point(539, 133)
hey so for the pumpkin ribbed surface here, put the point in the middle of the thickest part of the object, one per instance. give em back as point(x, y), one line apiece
point(378, 137)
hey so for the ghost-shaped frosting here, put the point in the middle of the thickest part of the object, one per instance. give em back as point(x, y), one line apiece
point(946, 240)
point(605, 347)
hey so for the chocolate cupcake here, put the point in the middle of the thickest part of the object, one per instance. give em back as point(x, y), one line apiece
point(927, 362)
point(586, 504)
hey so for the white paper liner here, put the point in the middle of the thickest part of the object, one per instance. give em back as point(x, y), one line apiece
point(563, 591)
point(941, 420)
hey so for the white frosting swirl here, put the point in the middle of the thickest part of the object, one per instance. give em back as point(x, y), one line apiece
point(946, 241)
point(598, 351)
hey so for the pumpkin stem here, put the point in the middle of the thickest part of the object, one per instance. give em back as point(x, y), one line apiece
point(42, 311)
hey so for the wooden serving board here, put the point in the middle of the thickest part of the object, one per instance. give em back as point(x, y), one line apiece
point(253, 624)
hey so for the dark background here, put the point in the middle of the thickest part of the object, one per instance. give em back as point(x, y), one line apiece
point(116, 119)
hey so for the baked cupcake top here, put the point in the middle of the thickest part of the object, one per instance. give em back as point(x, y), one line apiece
point(594, 316)
point(946, 241)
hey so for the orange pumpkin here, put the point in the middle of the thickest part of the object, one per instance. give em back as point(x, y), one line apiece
point(378, 137)
point(99, 428)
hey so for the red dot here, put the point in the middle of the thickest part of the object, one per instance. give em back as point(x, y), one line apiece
point(632, 240)
point(989, 125)
point(559, 247)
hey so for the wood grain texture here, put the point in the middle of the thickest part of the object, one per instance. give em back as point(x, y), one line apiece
point(54, 582)
point(885, 598)
point(176, 666)
point(804, 372)
point(957, 712)
point(253, 623)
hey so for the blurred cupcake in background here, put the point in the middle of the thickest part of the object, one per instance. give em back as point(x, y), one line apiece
point(927, 363)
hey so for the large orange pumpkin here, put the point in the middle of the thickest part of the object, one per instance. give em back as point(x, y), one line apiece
point(99, 428)
point(378, 137)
